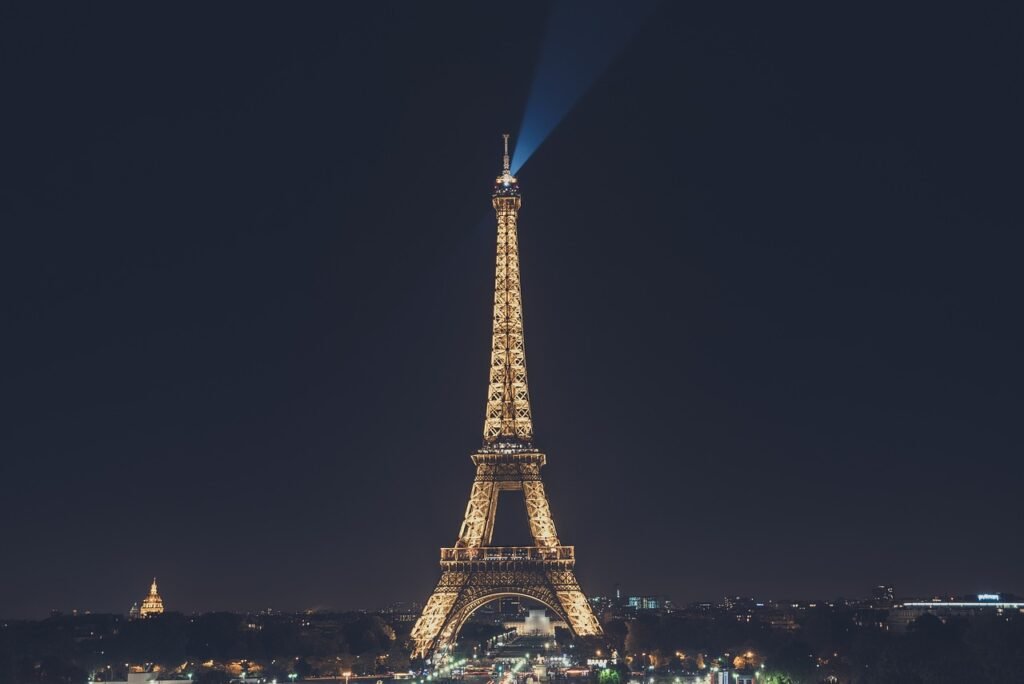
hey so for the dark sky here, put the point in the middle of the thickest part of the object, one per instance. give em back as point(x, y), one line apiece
point(772, 281)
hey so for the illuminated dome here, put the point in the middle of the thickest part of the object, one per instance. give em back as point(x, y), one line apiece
point(152, 604)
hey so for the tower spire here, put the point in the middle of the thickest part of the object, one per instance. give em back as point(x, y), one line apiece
point(506, 165)
point(508, 416)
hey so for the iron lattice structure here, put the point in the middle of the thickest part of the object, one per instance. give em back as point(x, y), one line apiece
point(474, 572)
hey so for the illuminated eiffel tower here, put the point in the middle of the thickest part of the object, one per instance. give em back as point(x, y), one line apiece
point(473, 572)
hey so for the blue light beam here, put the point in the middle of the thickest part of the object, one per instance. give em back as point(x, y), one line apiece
point(582, 39)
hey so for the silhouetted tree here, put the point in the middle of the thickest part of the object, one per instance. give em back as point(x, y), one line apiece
point(615, 631)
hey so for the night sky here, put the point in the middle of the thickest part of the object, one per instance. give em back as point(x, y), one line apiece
point(772, 288)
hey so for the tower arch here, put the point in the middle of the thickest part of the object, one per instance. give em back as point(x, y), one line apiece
point(450, 633)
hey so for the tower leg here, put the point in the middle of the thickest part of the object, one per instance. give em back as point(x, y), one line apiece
point(542, 527)
point(573, 603)
point(438, 611)
point(478, 525)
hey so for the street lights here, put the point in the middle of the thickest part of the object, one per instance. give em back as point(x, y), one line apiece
point(346, 674)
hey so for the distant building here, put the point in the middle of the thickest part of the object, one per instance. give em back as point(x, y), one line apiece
point(738, 602)
point(646, 602)
point(509, 605)
point(871, 618)
point(402, 611)
point(601, 605)
point(902, 615)
point(146, 677)
point(151, 605)
point(883, 595)
point(403, 607)
point(536, 623)
point(782, 620)
point(498, 611)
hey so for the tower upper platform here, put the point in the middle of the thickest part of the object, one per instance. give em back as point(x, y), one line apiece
point(506, 184)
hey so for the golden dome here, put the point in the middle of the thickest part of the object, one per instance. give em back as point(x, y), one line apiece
point(152, 604)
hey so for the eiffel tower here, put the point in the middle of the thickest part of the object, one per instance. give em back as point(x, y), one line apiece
point(473, 572)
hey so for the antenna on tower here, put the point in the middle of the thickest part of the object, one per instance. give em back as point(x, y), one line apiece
point(505, 135)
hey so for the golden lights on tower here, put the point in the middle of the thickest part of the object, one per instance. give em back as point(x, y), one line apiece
point(508, 398)
point(473, 572)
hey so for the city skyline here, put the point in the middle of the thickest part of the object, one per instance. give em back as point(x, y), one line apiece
point(629, 599)
point(771, 303)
